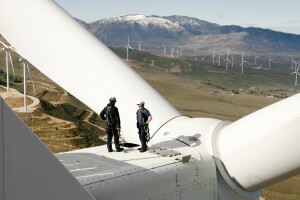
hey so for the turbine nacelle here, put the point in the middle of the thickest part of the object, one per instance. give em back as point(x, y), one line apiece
point(23, 60)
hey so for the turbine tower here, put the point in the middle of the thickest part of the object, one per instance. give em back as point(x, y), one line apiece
point(139, 46)
point(255, 57)
point(293, 62)
point(127, 47)
point(164, 50)
point(296, 72)
point(270, 61)
point(213, 58)
point(232, 59)
point(227, 60)
point(177, 53)
point(172, 51)
point(7, 50)
point(242, 63)
point(25, 65)
point(219, 57)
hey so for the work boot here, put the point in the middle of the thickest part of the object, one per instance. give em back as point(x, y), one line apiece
point(110, 150)
point(120, 149)
point(140, 148)
point(143, 150)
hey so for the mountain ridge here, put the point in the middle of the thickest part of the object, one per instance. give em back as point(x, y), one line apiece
point(154, 32)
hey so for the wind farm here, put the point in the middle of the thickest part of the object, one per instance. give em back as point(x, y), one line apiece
point(194, 86)
point(209, 92)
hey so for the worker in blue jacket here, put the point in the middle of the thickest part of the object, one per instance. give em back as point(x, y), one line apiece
point(143, 118)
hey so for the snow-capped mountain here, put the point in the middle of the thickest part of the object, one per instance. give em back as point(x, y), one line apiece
point(142, 20)
point(153, 32)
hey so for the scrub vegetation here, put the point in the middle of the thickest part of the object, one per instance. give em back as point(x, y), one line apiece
point(195, 88)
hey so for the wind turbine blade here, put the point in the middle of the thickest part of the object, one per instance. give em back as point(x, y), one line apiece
point(12, 65)
point(250, 146)
point(52, 32)
point(3, 44)
point(46, 175)
point(31, 79)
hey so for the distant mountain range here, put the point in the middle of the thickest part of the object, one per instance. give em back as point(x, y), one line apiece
point(155, 32)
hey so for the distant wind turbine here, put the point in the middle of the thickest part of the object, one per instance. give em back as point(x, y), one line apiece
point(25, 62)
point(219, 58)
point(139, 46)
point(255, 57)
point(178, 52)
point(270, 61)
point(25, 65)
point(296, 72)
point(243, 61)
point(227, 60)
point(172, 51)
point(232, 59)
point(7, 50)
point(293, 62)
point(213, 58)
point(164, 50)
point(128, 47)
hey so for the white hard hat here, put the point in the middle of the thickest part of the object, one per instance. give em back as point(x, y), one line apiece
point(141, 103)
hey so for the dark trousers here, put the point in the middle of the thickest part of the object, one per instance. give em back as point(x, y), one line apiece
point(112, 132)
point(142, 135)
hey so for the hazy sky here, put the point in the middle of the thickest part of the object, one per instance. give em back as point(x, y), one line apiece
point(277, 14)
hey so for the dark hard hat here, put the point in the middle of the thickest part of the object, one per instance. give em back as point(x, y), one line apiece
point(112, 99)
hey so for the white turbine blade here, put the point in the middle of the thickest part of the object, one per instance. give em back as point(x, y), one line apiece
point(42, 176)
point(52, 32)
point(130, 47)
point(12, 65)
point(263, 147)
point(6, 46)
point(31, 79)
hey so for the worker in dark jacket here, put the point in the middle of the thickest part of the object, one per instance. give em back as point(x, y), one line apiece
point(113, 124)
point(143, 118)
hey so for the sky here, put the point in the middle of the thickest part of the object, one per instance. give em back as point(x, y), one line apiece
point(282, 15)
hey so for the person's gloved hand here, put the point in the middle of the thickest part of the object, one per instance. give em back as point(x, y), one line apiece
point(145, 124)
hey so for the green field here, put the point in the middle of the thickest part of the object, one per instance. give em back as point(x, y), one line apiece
point(196, 89)
point(207, 91)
